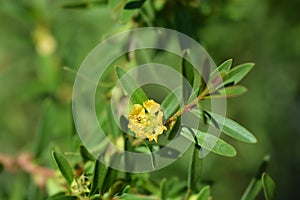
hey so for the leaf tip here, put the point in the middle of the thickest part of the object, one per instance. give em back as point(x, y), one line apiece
point(234, 154)
point(230, 60)
point(253, 140)
point(250, 65)
point(119, 71)
point(53, 154)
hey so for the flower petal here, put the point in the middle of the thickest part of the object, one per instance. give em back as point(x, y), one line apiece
point(147, 125)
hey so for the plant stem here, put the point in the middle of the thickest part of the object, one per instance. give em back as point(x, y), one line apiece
point(187, 107)
point(187, 194)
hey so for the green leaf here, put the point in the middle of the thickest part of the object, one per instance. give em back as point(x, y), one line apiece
point(124, 123)
point(268, 186)
point(210, 142)
point(176, 187)
point(205, 71)
point(98, 178)
point(127, 159)
point(130, 86)
point(116, 188)
point(62, 197)
point(127, 189)
point(228, 92)
point(127, 14)
point(195, 169)
point(170, 104)
point(113, 126)
point(135, 197)
point(204, 193)
point(164, 189)
point(111, 174)
point(96, 197)
point(255, 185)
point(85, 154)
point(115, 4)
point(82, 5)
point(63, 166)
point(224, 67)
point(134, 5)
point(252, 190)
point(238, 73)
point(187, 78)
point(231, 128)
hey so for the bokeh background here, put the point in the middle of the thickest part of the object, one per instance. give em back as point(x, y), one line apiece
point(42, 41)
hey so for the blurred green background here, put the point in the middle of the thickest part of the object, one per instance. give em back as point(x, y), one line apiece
point(38, 38)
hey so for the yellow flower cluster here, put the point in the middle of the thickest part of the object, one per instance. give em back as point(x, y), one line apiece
point(147, 121)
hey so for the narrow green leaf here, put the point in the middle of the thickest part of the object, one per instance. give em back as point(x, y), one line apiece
point(134, 5)
point(252, 190)
point(204, 193)
point(82, 5)
point(135, 197)
point(126, 15)
point(205, 71)
point(111, 174)
point(142, 149)
point(268, 186)
point(113, 126)
point(63, 166)
point(176, 187)
point(116, 188)
point(231, 128)
point(98, 178)
point(127, 159)
point(62, 197)
point(207, 117)
point(210, 142)
point(130, 86)
point(188, 77)
point(127, 189)
point(164, 189)
point(238, 73)
point(96, 197)
point(115, 4)
point(255, 185)
point(75, 6)
point(170, 104)
point(149, 10)
point(85, 154)
point(195, 169)
point(124, 123)
point(224, 67)
point(56, 195)
point(228, 92)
